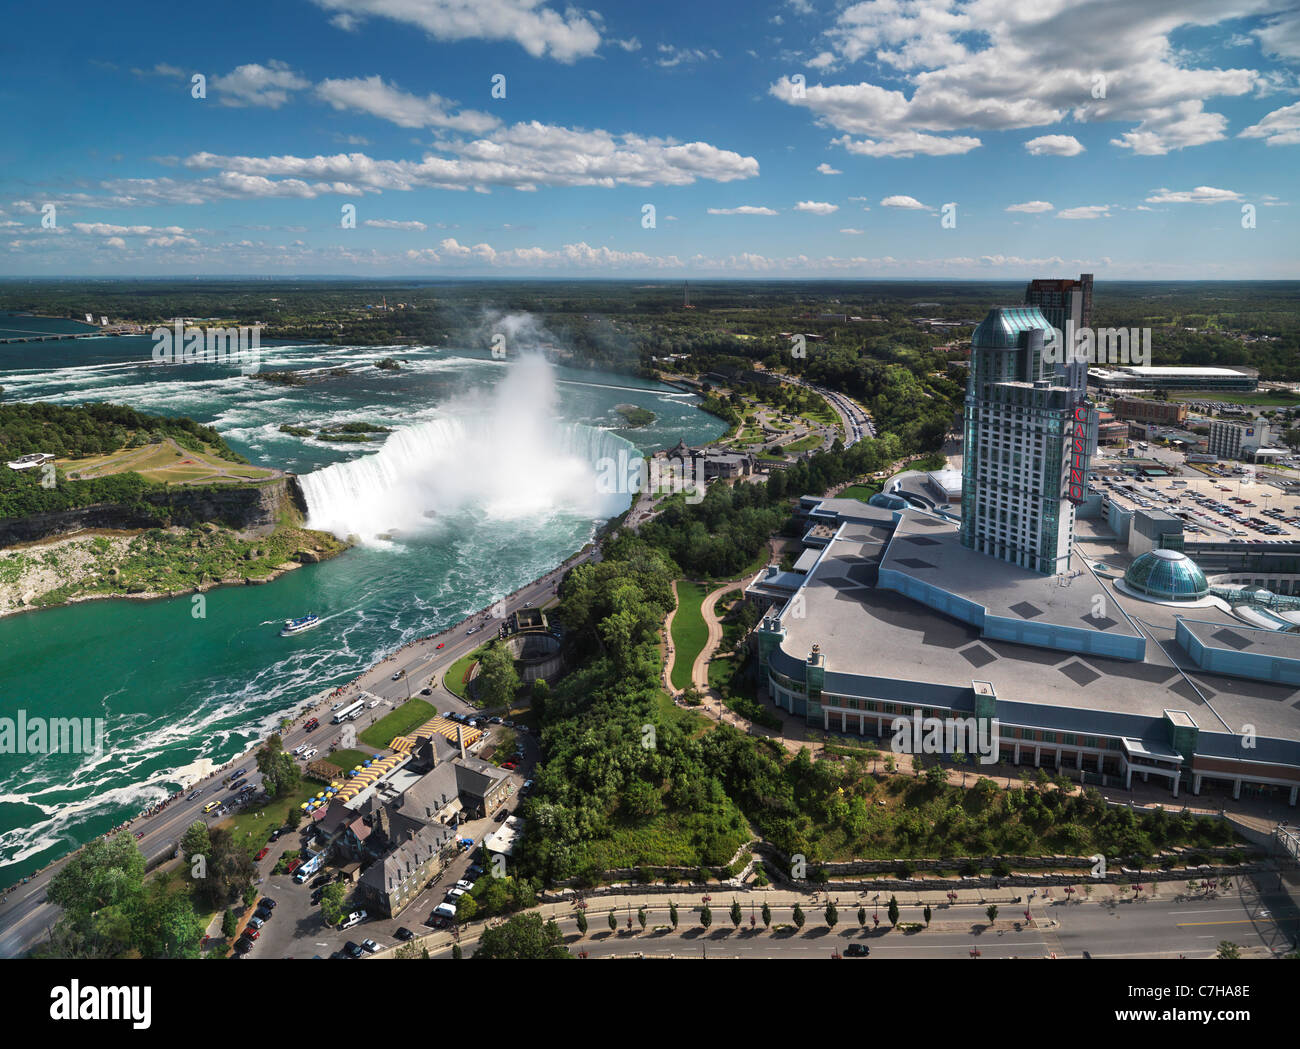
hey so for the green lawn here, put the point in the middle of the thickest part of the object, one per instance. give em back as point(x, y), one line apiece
point(454, 680)
point(347, 759)
point(862, 492)
point(411, 714)
point(253, 826)
point(813, 440)
point(689, 631)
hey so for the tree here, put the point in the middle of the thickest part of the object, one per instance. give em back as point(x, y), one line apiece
point(497, 681)
point(706, 916)
point(582, 923)
point(798, 916)
point(641, 917)
point(893, 910)
point(523, 936)
point(862, 917)
point(165, 925)
point(1228, 950)
point(832, 915)
point(613, 922)
point(280, 773)
point(992, 911)
point(735, 913)
point(926, 913)
point(672, 914)
point(767, 916)
point(466, 908)
point(229, 924)
point(196, 841)
point(331, 902)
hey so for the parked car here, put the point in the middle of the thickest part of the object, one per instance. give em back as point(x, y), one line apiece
point(319, 880)
point(277, 834)
point(268, 903)
point(509, 765)
point(371, 946)
point(243, 945)
point(454, 894)
point(403, 933)
point(464, 885)
point(501, 816)
point(262, 855)
point(255, 922)
point(307, 755)
point(352, 950)
point(251, 932)
point(354, 919)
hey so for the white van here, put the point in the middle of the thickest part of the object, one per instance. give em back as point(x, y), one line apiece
point(374, 703)
point(445, 910)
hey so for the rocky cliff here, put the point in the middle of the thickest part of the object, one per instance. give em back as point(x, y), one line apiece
point(255, 508)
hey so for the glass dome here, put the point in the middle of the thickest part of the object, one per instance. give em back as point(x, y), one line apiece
point(1167, 575)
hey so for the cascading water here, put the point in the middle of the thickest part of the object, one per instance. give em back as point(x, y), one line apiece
point(506, 457)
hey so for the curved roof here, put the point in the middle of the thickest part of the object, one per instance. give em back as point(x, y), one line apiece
point(1168, 575)
point(1002, 328)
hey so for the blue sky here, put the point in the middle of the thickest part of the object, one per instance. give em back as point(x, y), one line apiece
point(775, 138)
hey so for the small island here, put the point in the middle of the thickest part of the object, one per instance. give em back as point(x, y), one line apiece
point(634, 415)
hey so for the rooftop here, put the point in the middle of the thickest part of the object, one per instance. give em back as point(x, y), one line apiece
point(875, 639)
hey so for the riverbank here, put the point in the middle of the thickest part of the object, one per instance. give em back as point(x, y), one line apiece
point(153, 563)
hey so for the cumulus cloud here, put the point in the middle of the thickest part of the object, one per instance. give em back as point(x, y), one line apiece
point(1199, 195)
point(1279, 128)
point(826, 169)
point(537, 28)
point(258, 85)
point(412, 224)
point(744, 209)
point(901, 201)
point(999, 65)
point(1054, 146)
point(388, 102)
point(1089, 211)
point(1031, 207)
point(816, 207)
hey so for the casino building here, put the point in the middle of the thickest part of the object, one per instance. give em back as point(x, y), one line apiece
point(1113, 660)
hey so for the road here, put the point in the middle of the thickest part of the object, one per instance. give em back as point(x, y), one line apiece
point(853, 417)
point(26, 917)
point(1166, 927)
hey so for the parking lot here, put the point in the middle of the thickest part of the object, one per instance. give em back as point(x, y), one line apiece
point(295, 928)
point(1232, 507)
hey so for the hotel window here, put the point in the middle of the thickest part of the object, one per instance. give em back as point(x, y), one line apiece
point(1049, 737)
point(1070, 739)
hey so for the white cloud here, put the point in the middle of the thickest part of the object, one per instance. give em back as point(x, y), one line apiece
point(388, 102)
point(1031, 207)
point(257, 85)
point(1089, 211)
point(853, 232)
point(1054, 146)
point(998, 65)
point(1279, 128)
point(817, 207)
point(744, 209)
point(900, 201)
point(671, 56)
point(530, 23)
point(412, 224)
point(1199, 195)
point(523, 156)
point(826, 169)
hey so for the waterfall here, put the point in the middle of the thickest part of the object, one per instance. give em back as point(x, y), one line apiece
point(508, 457)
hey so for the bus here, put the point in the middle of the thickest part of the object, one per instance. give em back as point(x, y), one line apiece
point(349, 711)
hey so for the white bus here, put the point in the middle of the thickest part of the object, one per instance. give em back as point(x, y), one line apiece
point(342, 715)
